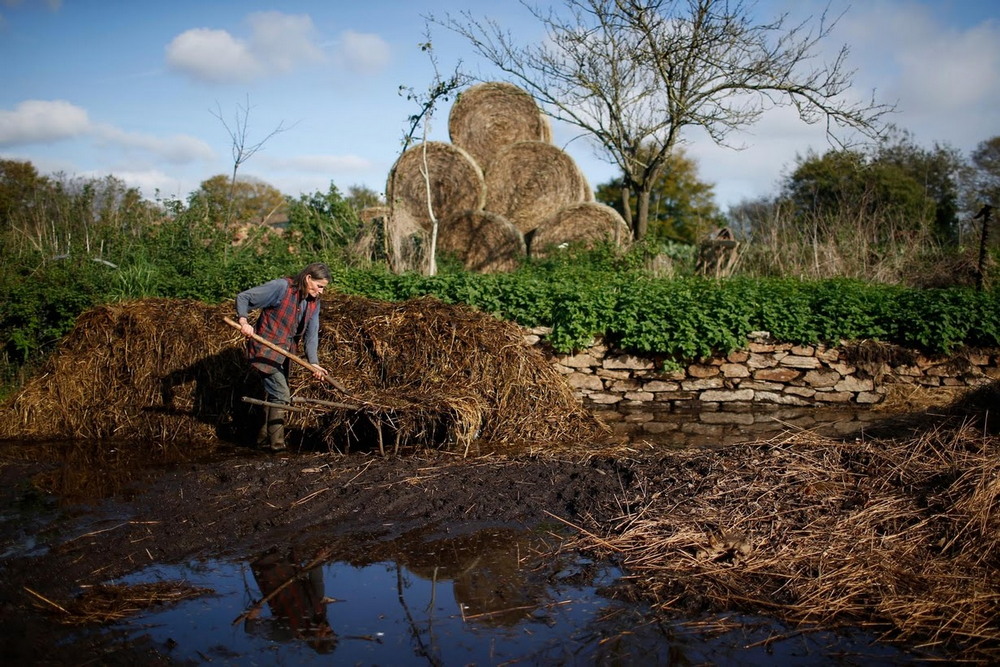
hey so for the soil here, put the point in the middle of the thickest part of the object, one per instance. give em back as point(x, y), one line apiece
point(97, 516)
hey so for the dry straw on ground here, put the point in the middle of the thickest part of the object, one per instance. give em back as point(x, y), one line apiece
point(449, 175)
point(586, 224)
point(484, 242)
point(106, 603)
point(490, 116)
point(422, 373)
point(395, 235)
point(900, 536)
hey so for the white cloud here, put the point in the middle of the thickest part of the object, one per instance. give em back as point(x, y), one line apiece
point(213, 56)
point(944, 78)
point(42, 121)
point(362, 53)
point(178, 149)
point(281, 41)
point(328, 164)
point(148, 181)
point(277, 43)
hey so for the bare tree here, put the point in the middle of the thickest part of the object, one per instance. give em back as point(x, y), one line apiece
point(635, 74)
point(243, 150)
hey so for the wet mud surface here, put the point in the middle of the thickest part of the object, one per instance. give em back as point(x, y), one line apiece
point(74, 520)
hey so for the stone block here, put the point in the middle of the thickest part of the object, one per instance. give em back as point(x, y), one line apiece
point(776, 374)
point(734, 370)
point(659, 385)
point(702, 384)
point(702, 371)
point(726, 396)
point(798, 361)
point(585, 381)
point(855, 384)
point(779, 399)
point(822, 378)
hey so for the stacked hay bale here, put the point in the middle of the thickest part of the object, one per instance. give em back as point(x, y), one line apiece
point(500, 190)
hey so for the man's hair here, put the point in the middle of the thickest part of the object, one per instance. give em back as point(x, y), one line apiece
point(316, 271)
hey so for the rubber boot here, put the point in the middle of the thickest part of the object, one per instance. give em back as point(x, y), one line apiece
point(262, 431)
point(276, 429)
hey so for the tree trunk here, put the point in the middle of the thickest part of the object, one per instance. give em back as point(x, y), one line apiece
point(641, 223)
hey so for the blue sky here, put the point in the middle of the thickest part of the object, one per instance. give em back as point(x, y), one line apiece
point(133, 89)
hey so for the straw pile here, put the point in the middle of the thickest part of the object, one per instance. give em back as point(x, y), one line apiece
point(436, 375)
point(153, 369)
point(448, 173)
point(899, 536)
point(526, 179)
point(490, 116)
point(482, 241)
point(421, 374)
point(586, 223)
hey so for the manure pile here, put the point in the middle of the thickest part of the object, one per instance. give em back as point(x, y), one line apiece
point(898, 536)
point(500, 190)
point(420, 374)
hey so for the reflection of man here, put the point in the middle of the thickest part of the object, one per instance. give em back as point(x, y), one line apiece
point(297, 610)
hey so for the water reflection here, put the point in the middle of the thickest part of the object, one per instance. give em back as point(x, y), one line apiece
point(483, 597)
point(296, 601)
point(485, 569)
point(715, 427)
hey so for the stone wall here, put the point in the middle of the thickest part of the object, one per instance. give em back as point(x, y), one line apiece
point(766, 373)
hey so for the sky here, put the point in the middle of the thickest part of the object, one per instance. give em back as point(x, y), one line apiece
point(143, 91)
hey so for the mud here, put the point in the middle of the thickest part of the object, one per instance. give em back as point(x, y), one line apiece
point(75, 518)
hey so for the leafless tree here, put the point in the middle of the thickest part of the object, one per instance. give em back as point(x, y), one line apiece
point(243, 150)
point(635, 74)
point(440, 89)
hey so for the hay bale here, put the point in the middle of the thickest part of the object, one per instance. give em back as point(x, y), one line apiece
point(586, 223)
point(530, 181)
point(490, 116)
point(456, 182)
point(483, 241)
point(423, 373)
point(396, 238)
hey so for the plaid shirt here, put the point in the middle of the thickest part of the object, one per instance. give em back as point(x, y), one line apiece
point(283, 324)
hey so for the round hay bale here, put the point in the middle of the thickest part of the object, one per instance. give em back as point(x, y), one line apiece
point(490, 116)
point(530, 181)
point(585, 223)
point(484, 241)
point(456, 182)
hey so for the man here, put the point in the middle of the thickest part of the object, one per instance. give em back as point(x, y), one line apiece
point(289, 315)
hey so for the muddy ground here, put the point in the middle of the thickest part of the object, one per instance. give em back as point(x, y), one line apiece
point(99, 515)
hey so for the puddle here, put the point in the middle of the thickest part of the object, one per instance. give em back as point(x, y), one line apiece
point(486, 598)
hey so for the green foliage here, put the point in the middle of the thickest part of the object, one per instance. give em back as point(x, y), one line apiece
point(324, 223)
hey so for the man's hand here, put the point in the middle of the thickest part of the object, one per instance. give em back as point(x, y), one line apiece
point(245, 327)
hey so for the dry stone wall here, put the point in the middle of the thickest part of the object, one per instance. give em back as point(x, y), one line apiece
point(766, 373)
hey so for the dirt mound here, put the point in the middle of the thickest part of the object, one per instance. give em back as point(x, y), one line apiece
point(419, 374)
